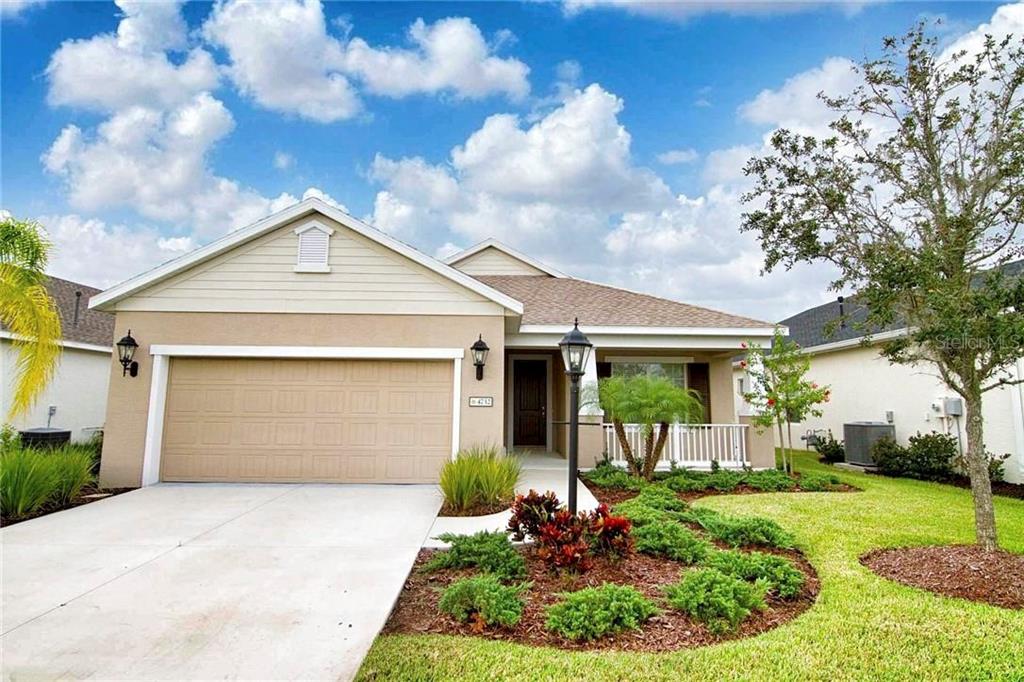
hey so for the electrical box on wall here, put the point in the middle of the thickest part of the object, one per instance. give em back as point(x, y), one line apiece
point(952, 407)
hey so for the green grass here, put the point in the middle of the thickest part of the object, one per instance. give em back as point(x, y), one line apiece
point(862, 627)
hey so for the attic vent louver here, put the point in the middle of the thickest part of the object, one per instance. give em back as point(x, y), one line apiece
point(314, 248)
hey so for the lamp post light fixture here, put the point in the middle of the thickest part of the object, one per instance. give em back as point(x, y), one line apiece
point(479, 349)
point(126, 348)
point(575, 349)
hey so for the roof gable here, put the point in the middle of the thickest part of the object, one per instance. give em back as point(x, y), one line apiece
point(78, 324)
point(234, 244)
point(491, 257)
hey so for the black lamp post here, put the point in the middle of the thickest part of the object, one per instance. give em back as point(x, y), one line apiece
point(126, 348)
point(479, 350)
point(575, 349)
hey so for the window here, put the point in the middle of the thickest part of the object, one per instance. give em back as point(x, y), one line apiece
point(675, 371)
point(314, 248)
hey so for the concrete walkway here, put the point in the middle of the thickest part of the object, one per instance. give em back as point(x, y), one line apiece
point(540, 473)
point(204, 581)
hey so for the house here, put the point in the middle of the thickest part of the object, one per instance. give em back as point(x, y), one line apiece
point(866, 387)
point(77, 394)
point(310, 346)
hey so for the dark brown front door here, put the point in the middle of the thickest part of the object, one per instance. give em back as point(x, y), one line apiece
point(529, 403)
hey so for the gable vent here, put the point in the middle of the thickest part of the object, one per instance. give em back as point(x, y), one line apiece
point(314, 248)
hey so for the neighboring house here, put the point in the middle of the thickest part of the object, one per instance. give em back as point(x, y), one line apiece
point(866, 387)
point(310, 346)
point(77, 394)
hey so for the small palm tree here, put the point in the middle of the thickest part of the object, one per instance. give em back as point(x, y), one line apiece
point(27, 310)
point(647, 401)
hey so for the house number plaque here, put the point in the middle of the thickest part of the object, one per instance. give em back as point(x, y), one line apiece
point(481, 401)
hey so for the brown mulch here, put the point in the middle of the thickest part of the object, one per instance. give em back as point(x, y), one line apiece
point(1002, 488)
point(475, 510)
point(87, 496)
point(964, 571)
point(416, 610)
point(612, 496)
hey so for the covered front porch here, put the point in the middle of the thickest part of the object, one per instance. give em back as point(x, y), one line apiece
point(537, 408)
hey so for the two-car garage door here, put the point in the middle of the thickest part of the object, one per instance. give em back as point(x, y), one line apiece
point(331, 420)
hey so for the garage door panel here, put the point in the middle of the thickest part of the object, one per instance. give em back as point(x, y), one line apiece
point(307, 420)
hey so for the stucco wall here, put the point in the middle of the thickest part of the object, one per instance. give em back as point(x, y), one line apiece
point(78, 390)
point(128, 402)
point(865, 386)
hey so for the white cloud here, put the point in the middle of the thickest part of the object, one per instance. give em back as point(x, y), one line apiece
point(450, 55)
point(13, 8)
point(283, 56)
point(109, 72)
point(674, 157)
point(283, 160)
point(796, 106)
point(684, 11)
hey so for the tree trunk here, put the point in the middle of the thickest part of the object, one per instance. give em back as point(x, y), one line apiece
point(659, 447)
point(977, 469)
point(782, 445)
point(627, 451)
point(650, 460)
point(789, 438)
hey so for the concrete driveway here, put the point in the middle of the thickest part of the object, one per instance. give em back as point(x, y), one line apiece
point(204, 581)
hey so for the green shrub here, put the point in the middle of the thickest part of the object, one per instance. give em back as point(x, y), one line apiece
point(740, 531)
point(778, 573)
point(483, 599)
point(699, 516)
point(28, 480)
point(830, 449)
point(769, 480)
point(815, 482)
point(607, 475)
point(640, 514)
point(929, 457)
point(691, 482)
point(73, 467)
point(660, 497)
point(670, 539)
point(724, 481)
point(712, 597)
point(479, 476)
point(996, 468)
point(598, 611)
point(490, 552)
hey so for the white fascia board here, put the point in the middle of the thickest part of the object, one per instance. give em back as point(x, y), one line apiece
point(77, 345)
point(744, 332)
point(310, 352)
point(272, 222)
point(507, 250)
point(853, 343)
point(633, 341)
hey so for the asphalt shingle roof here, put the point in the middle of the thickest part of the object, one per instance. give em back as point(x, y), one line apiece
point(558, 300)
point(93, 327)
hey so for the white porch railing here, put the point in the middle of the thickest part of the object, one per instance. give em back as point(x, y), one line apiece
point(688, 445)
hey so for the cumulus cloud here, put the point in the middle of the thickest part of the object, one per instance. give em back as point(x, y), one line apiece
point(796, 105)
point(284, 57)
point(684, 11)
point(13, 8)
point(675, 157)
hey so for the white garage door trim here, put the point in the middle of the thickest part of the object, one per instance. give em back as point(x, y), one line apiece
point(161, 364)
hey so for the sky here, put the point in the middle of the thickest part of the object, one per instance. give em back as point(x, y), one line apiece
point(607, 139)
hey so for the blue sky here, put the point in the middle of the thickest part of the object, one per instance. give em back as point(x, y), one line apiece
point(130, 156)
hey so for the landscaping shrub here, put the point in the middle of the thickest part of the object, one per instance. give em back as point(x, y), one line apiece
point(479, 476)
point(598, 611)
point(778, 573)
point(929, 457)
point(769, 480)
point(564, 544)
point(490, 552)
point(640, 514)
point(530, 512)
point(830, 449)
point(690, 482)
point(712, 597)
point(996, 468)
point(608, 534)
point(28, 480)
point(660, 497)
point(607, 475)
point(723, 480)
point(670, 539)
point(699, 516)
point(740, 531)
point(815, 482)
point(73, 470)
point(484, 601)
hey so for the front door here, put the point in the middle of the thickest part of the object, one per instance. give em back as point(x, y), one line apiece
point(530, 403)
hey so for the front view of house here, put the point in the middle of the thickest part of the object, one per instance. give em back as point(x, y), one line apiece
point(312, 347)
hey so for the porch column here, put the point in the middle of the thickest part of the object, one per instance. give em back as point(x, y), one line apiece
point(591, 417)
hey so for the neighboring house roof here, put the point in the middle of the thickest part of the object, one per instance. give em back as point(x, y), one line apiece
point(492, 243)
point(272, 222)
point(93, 327)
point(559, 300)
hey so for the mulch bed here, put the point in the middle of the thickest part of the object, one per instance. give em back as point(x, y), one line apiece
point(477, 510)
point(88, 495)
point(963, 571)
point(612, 496)
point(1014, 490)
point(416, 611)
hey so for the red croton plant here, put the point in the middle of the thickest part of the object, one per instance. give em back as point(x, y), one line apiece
point(568, 542)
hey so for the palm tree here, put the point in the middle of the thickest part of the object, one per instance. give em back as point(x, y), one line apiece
point(26, 309)
point(647, 401)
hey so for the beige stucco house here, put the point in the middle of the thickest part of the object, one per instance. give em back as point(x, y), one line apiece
point(310, 346)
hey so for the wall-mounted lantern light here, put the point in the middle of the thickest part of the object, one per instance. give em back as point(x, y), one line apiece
point(576, 349)
point(480, 350)
point(126, 348)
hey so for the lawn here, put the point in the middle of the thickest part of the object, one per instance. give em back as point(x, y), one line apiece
point(862, 627)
